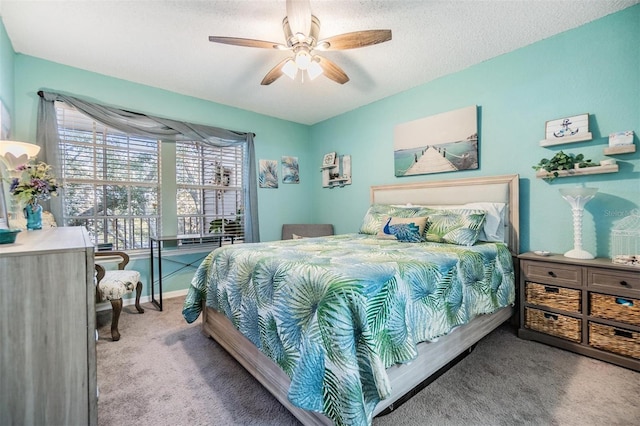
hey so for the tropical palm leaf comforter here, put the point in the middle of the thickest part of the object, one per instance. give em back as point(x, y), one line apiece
point(334, 312)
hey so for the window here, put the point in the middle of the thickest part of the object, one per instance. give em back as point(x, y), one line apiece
point(209, 188)
point(112, 183)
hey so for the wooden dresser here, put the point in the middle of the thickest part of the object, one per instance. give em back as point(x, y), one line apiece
point(47, 331)
point(591, 307)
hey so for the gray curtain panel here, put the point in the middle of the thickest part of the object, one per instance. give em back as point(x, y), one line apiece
point(149, 126)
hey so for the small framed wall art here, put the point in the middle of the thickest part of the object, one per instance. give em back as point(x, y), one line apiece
point(566, 130)
point(268, 174)
point(329, 159)
point(290, 170)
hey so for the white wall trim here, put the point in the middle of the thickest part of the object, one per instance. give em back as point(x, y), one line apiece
point(104, 306)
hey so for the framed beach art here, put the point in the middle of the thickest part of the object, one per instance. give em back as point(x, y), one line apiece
point(445, 142)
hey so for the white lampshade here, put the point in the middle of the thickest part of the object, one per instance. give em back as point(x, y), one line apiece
point(303, 59)
point(314, 70)
point(290, 69)
point(16, 154)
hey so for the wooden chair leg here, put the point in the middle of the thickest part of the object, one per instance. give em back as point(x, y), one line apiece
point(115, 317)
point(138, 292)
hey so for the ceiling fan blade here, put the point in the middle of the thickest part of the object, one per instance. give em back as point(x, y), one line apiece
point(332, 71)
point(354, 40)
point(299, 15)
point(247, 42)
point(274, 74)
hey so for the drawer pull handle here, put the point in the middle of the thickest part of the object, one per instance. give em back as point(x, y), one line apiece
point(624, 302)
point(622, 333)
point(551, 289)
point(551, 273)
point(551, 316)
point(624, 283)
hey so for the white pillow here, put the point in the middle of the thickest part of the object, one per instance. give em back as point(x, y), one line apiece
point(493, 229)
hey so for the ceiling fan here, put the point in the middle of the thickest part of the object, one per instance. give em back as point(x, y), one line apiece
point(301, 30)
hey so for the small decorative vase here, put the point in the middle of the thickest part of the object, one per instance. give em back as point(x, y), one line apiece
point(33, 214)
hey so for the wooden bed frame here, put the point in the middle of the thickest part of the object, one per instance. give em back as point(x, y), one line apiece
point(432, 355)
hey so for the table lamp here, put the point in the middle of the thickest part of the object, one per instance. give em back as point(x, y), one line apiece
point(577, 197)
point(15, 154)
point(12, 154)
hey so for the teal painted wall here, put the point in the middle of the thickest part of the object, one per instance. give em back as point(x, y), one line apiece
point(274, 137)
point(6, 69)
point(593, 69)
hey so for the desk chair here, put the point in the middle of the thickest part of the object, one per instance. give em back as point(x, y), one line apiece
point(113, 284)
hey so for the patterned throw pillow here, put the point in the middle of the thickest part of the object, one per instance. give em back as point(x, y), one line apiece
point(377, 215)
point(405, 229)
point(460, 226)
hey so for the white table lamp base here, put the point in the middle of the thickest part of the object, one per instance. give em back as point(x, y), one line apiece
point(578, 254)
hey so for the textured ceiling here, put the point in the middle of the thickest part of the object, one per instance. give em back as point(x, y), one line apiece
point(164, 44)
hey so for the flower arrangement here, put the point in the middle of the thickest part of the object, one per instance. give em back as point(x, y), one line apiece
point(36, 182)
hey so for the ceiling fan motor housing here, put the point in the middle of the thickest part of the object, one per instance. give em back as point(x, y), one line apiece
point(310, 39)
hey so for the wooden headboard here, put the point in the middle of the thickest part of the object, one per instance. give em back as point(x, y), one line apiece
point(496, 189)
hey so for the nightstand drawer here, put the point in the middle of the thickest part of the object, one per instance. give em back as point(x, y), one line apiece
point(613, 281)
point(554, 324)
point(615, 308)
point(614, 339)
point(567, 299)
point(553, 273)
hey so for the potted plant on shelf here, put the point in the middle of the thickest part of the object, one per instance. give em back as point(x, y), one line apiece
point(561, 161)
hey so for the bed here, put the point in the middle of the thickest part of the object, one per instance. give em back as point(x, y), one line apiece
point(374, 333)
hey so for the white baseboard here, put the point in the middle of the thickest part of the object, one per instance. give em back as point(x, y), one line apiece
point(104, 306)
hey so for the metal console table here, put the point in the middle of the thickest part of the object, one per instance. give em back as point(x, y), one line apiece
point(180, 241)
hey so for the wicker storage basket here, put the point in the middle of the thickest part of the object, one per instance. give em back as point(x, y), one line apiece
point(613, 339)
point(566, 299)
point(621, 309)
point(554, 324)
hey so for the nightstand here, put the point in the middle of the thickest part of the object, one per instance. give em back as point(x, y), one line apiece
point(591, 307)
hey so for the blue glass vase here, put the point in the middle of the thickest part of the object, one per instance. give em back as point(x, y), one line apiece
point(33, 213)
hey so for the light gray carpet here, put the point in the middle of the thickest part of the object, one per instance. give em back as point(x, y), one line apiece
point(166, 372)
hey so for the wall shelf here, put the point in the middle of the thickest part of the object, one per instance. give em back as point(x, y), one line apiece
point(337, 174)
point(621, 149)
point(541, 174)
point(570, 139)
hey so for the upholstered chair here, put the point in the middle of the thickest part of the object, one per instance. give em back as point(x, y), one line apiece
point(306, 230)
point(113, 284)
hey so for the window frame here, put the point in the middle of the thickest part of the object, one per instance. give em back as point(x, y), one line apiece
point(166, 172)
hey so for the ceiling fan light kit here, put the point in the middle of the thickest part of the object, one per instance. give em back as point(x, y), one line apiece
point(301, 31)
